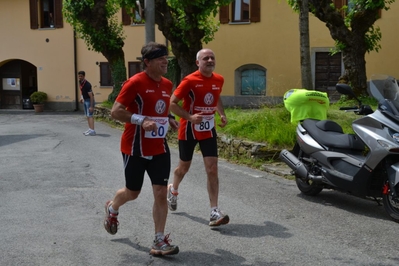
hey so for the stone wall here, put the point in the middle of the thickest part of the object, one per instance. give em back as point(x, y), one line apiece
point(228, 147)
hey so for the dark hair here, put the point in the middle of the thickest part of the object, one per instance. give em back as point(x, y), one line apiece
point(153, 50)
point(82, 73)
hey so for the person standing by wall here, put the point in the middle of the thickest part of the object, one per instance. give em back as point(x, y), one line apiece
point(143, 105)
point(87, 98)
point(200, 92)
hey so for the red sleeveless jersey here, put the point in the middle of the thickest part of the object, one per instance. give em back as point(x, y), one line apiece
point(144, 96)
point(199, 94)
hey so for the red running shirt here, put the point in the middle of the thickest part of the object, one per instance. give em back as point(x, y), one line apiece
point(144, 96)
point(199, 94)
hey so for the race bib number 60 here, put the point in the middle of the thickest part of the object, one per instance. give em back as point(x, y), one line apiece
point(162, 125)
point(208, 122)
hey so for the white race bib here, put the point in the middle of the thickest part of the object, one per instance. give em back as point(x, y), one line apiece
point(162, 125)
point(207, 123)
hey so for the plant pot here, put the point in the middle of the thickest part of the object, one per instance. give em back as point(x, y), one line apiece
point(38, 108)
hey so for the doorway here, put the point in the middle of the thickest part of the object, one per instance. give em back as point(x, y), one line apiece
point(18, 80)
point(328, 69)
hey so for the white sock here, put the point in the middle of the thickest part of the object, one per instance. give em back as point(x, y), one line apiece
point(214, 208)
point(111, 210)
point(174, 190)
point(159, 236)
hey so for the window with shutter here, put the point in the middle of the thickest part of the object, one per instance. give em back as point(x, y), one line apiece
point(45, 14)
point(224, 14)
point(340, 3)
point(126, 20)
point(34, 18)
point(105, 74)
point(241, 11)
point(134, 68)
point(133, 15)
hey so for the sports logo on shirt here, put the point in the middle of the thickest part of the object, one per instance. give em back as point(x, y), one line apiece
point(160, 107)
point(208, 99)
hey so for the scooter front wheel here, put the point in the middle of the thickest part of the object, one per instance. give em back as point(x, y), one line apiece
point(391, 205)
point(308, 187)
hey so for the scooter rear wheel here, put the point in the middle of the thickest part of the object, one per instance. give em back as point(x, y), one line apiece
point(391, 206)
point(308, 187)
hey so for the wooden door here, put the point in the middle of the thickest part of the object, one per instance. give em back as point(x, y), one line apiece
point(328, 71)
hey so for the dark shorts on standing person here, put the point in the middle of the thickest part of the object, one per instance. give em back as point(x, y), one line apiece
point(208, 147)
point(87, 104)
point(158, 169)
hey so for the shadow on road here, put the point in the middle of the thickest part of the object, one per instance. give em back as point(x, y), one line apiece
point(244, 230)
point(349, 203)
point(10, 139)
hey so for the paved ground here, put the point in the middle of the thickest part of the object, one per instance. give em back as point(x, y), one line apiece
point(54, 182)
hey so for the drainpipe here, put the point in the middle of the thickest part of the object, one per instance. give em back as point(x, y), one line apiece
point(76, 72)
point(149, 9)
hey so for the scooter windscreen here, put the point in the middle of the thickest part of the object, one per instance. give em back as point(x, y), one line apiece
point(385, 89)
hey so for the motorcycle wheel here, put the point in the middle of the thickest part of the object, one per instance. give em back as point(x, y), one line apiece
point(308, 187)
point(391, 206)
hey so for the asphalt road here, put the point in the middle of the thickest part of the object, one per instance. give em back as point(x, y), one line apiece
point(54, 182)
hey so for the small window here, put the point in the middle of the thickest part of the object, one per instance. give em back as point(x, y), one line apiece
point(134, 68)
point(350, 4)
point(133, 16)
point(105, 75)
point(251, 80)
point(45, 14)
point(241, 11)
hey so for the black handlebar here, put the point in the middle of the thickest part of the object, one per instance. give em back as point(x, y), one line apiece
point(349, 108)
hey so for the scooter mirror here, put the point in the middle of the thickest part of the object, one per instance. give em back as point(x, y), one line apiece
point(346, 90)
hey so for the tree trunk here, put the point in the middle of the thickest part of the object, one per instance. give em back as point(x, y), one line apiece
point(306, 71)
point(351, 40)
point(96, 18)
point(185, 53)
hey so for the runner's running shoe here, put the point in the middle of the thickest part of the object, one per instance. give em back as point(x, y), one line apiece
point(172, 198)
point(218, 218)
point(91, 132)
point(163, 247)
point(111, 220)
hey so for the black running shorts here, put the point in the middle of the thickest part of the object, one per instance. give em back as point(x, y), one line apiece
point(208, 147)
point(158, 169)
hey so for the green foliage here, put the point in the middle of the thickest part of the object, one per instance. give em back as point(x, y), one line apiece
point(204, 12)
point(354, 9)
point(118, 76)
point(174, 71)
point(96, 37)
point(38, 97)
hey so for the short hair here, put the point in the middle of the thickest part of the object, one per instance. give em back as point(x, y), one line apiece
point(82, 73)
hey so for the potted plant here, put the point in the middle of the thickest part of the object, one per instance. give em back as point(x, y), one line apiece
point(38, 98)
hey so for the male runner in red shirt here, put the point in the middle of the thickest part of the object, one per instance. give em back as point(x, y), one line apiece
point(143, 104)
point(200, 92)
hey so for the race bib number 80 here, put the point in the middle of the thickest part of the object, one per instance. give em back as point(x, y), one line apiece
point(208, 122)
point(162, 125)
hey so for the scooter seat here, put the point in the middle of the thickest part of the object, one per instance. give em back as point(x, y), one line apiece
point(330, 134)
